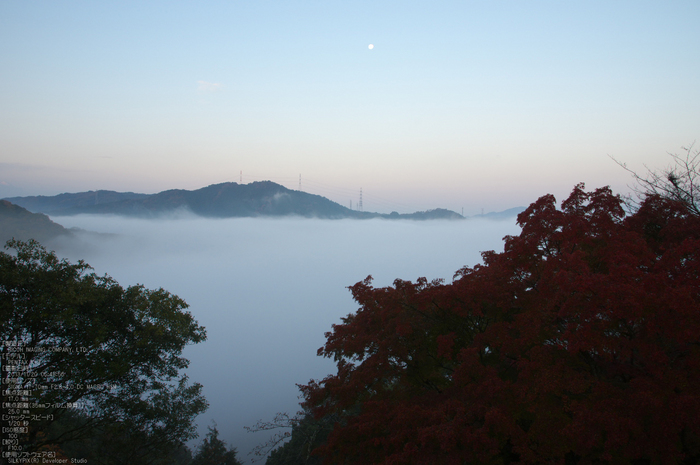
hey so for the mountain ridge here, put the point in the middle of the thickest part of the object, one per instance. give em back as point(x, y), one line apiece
point(223, 200)
point(21, 224)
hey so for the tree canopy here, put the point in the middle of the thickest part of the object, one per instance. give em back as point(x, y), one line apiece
point(579, 343)
point(214, 451)
point(302, 433)
point(101, 360)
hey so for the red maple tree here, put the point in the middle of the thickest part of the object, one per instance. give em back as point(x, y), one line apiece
point(579, 343)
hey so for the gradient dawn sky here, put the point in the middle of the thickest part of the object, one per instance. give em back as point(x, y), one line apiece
point(459, 104)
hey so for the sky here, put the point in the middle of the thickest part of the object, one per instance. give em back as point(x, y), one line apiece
point(459, 104)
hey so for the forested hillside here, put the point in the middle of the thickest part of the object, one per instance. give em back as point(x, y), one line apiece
point(19, 223)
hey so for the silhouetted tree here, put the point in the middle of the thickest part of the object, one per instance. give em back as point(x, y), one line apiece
point(213, 451)
point(106, 359)
point(300, 435)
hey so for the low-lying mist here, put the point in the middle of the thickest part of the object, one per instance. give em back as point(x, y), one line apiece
point(268, 289)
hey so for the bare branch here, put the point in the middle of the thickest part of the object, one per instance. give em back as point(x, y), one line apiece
point(281, 420)
point(680, 181)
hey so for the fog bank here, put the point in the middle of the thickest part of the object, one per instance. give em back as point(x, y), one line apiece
point(267, 289)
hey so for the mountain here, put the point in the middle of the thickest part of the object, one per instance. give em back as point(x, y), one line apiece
point(44, 204)
point(19, 223)
point(264, 198)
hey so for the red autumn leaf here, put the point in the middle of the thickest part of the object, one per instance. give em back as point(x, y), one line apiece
point(580, 343)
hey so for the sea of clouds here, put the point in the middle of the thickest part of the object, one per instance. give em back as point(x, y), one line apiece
point(268, 289)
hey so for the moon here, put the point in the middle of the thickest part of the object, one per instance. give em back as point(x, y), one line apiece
point(371, 46)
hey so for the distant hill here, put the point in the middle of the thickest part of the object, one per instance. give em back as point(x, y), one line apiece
point(45, 204)
point(510, 213)
point(19, 223)
point(225, 200)
point(436, 214)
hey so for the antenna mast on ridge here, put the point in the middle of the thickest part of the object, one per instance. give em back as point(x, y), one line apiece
point(359, 206)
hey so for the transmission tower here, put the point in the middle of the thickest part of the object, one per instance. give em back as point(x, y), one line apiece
point(359, 206)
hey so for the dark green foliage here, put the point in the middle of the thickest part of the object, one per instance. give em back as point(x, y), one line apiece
point(112, 354)
point(115, 445)
point(307, 434)
point(213, 451)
